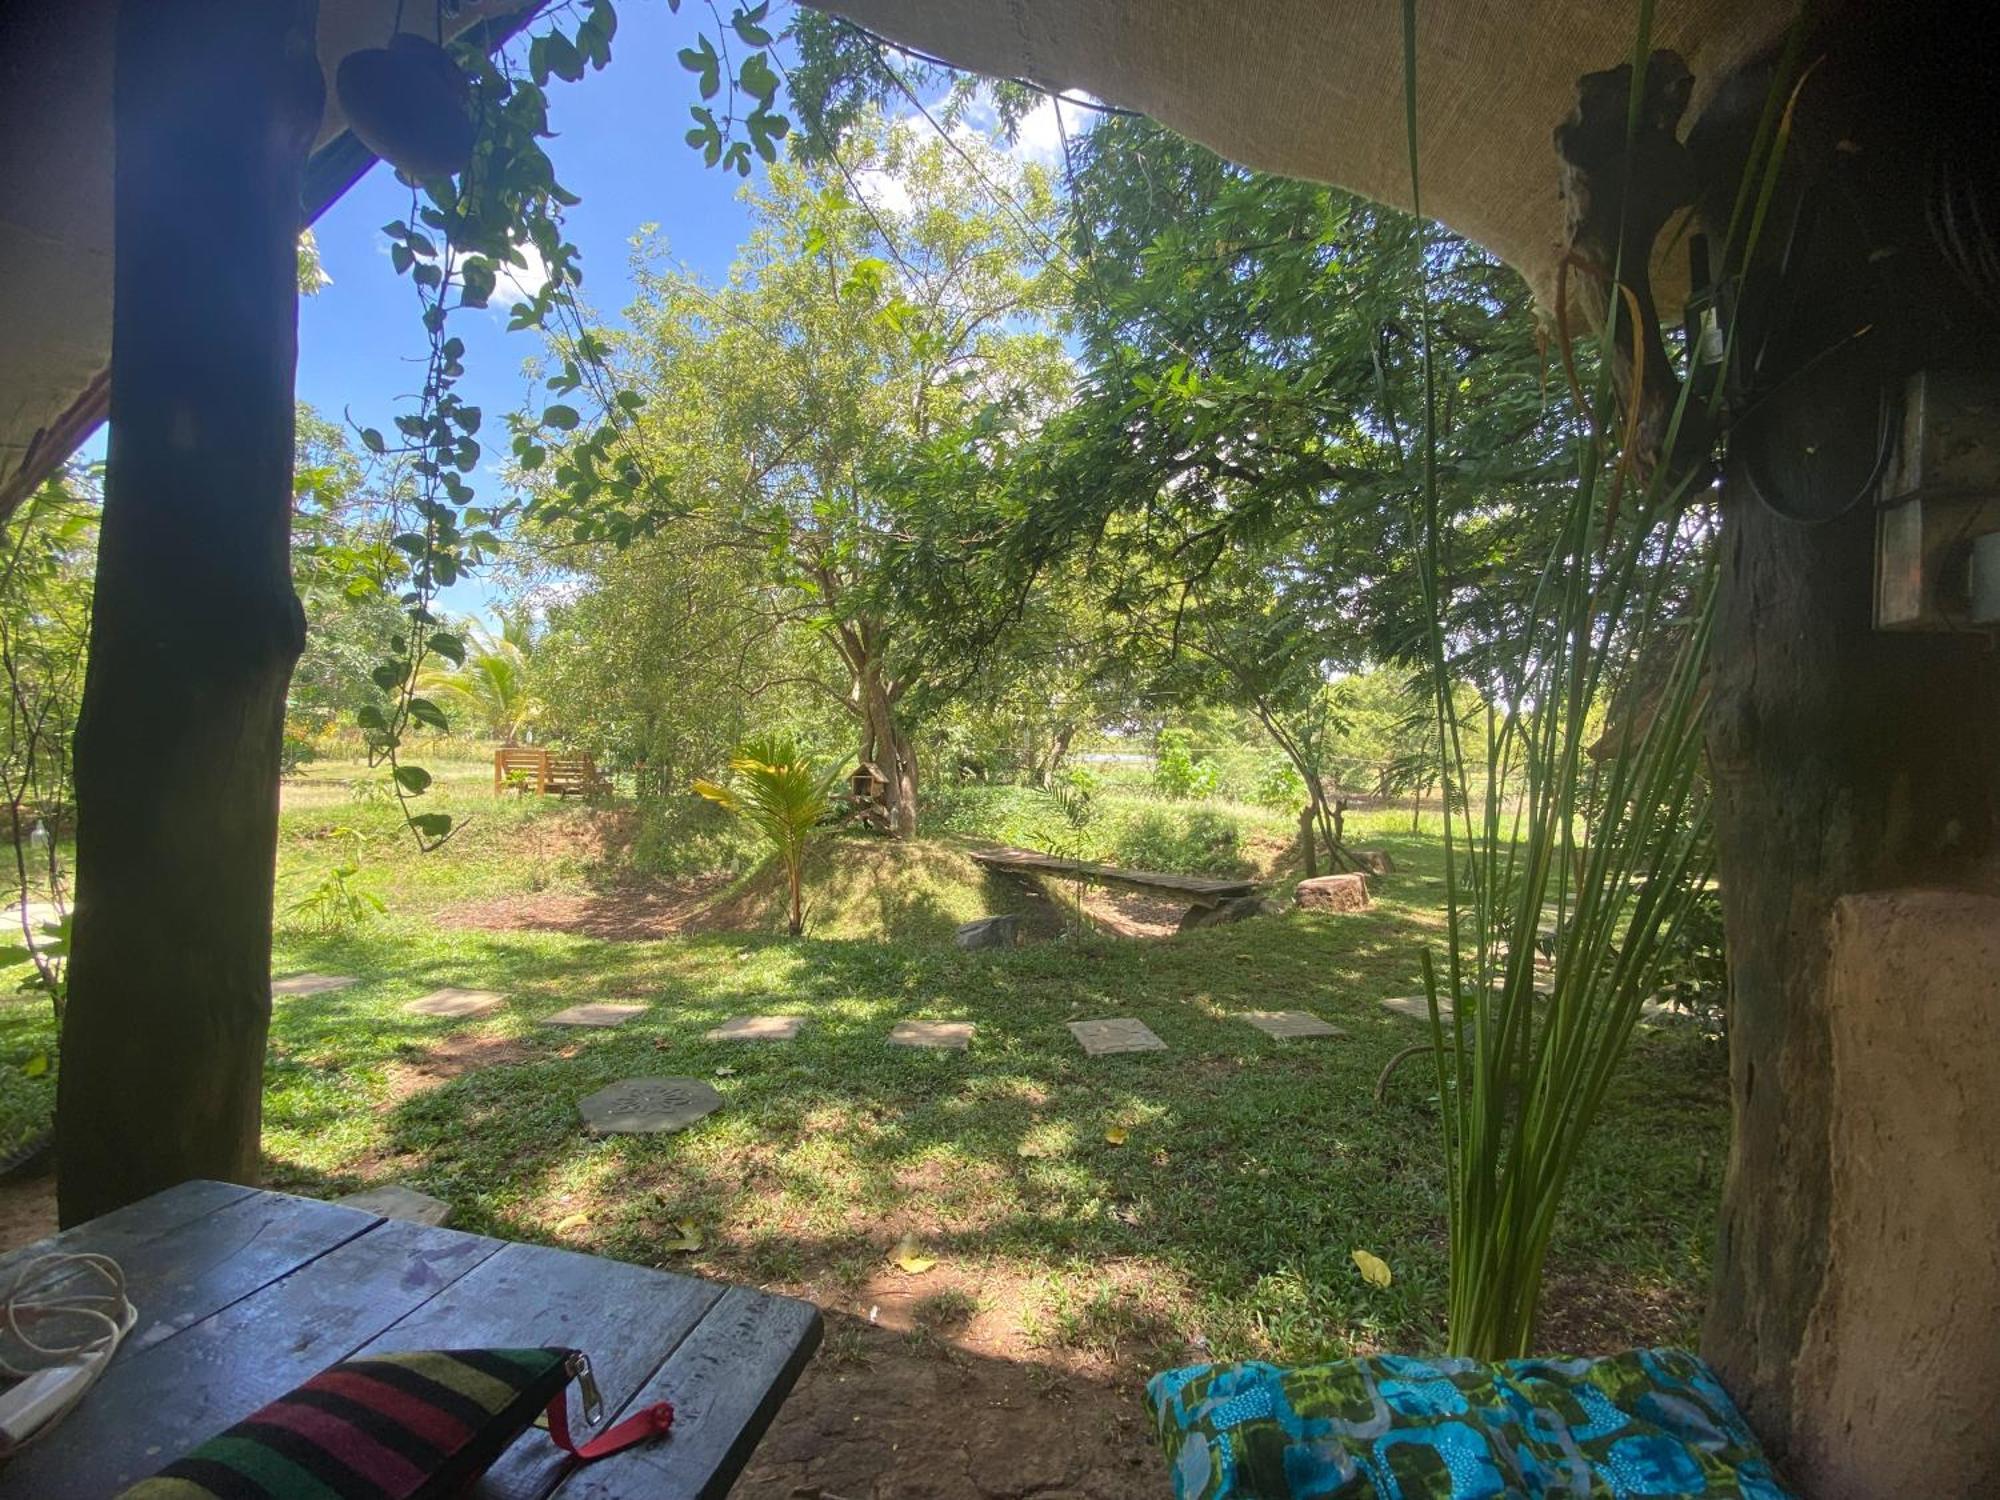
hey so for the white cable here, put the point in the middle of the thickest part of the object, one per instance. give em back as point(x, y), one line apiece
point(69, 1312)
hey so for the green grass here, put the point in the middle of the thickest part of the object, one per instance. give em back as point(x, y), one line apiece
point(1250, 1169)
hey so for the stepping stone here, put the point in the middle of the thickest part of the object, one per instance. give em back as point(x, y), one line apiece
point(1122, 1034)
point(1417, 1006)
point(647, 1106)
point(598, 1013)
point(757, 1029)
point(309, 984)
point(394, 1201)
point(952, 1034)
point(1003, 931)
point(450, 1002)
point(1288, 1024)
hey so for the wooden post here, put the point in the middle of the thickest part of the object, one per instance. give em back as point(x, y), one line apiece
point(195, 625)
point(1845, 758)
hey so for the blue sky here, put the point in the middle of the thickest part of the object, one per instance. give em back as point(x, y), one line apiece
point(618, 144)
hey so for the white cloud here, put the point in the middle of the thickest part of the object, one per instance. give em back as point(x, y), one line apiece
point(512, 284)
point(517, 283)
point(1038, 137)
point(883, 191)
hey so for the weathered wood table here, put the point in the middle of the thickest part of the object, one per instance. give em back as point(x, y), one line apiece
point(244, 1294)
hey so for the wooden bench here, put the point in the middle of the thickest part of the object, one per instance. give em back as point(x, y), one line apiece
point(1200, 890)
point(243, 1295)
point(569, 774)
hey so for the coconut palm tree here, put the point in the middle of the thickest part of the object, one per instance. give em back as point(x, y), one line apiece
point(778, 789)
point(493, 688)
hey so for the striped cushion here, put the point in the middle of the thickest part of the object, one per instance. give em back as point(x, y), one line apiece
point(391, 1427)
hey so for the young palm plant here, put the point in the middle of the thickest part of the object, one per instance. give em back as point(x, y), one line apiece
point(780, 791)
point(493, 687)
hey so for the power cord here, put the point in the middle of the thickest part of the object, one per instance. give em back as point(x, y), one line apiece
point(69, 1313)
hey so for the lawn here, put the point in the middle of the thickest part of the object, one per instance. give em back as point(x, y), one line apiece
point(1107, 1214)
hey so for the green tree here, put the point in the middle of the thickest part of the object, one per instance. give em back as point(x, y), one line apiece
point(46, 571)
point(1253, 381)
point(871, 310)
point(346, 573)
point(661, 652)
point(494, 689)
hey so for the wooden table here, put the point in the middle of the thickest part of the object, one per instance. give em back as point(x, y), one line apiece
point(244, 1294)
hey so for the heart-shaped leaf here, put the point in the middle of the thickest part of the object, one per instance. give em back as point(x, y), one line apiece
point(1374, 1270)
point(909, 1255)
point(685, 1242)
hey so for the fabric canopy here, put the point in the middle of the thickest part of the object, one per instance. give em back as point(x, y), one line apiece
point(1314, 88)
point(55, 203)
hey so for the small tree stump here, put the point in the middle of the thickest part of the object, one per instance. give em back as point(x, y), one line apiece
point(1333, 893)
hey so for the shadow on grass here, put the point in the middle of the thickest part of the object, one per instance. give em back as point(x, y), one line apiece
point(1244, 1170)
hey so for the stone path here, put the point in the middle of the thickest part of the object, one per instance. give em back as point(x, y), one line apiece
point(648, 1106)
point(309, 984)
point(1288, 1025)
point(453, 1002)
point(956, 1035)
point(394, 1201)
point(1416, 1006)
point(757, 1029)
point(1121, 1034)
point(599, 1013)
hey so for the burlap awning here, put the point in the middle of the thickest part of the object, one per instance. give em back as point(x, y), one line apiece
point(1314, 88)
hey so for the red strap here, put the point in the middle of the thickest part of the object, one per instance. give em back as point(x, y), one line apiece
point(648, 1421)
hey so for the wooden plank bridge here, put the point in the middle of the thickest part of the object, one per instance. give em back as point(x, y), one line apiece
point(1201, 890)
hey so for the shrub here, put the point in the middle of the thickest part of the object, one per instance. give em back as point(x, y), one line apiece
point(1176, 773)
point(1204, 843)
point(1280, 786)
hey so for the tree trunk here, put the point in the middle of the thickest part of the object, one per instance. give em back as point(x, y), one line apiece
point(195, 626)
point(1309, 838)
point(1045, 773)
point(886, 745)
point(1845, 759)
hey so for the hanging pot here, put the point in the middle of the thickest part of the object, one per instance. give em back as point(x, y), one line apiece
point(410, 104)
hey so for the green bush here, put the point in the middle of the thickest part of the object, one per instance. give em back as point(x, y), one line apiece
point(684, 835)
point(1202, 841)
point(1279, 785)
point(1176, 773)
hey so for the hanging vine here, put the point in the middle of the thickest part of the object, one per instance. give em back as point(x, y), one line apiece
point(462, 235)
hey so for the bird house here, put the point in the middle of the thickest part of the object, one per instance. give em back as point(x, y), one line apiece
point(868, 786)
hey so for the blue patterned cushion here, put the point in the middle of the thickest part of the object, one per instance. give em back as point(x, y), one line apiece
point(1648, 1422)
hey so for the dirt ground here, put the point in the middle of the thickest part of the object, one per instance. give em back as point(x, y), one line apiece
point(882, 1416)
point(27, 1209)
point(630, 912)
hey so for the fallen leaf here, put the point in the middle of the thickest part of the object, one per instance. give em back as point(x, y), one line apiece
point(1374, 1270)
point(1117, 1135)
point(909, 1255)
point(572, 1223)
point(687, 1241)
point(35, 1066)
point(725, 1071)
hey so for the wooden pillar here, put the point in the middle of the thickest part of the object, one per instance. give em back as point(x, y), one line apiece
point(1846, 759)
point(195, 625)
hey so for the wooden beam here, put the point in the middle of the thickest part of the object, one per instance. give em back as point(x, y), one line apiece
point(1201, 888)
point(330, 172)
point(195, 626)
